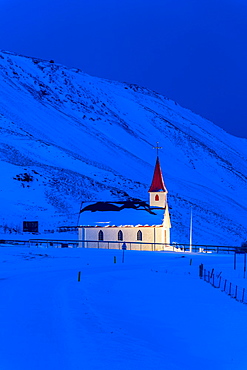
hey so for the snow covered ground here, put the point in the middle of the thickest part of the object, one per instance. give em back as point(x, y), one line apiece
point(150, 312)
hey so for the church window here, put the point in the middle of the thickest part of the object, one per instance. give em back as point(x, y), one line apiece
point(139, 235)
point(120, 235)
point(157, 198)
point(101, 235)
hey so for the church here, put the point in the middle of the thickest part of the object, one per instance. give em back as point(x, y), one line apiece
point(140, 225)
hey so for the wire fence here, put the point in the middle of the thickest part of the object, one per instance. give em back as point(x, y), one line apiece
point(131, 245)
point(226, 286)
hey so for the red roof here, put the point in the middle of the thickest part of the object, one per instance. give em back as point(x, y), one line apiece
point(158, 182)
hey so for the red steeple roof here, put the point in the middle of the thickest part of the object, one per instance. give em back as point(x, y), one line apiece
point(158, 182)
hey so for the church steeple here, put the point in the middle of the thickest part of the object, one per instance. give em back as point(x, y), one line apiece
point(158, 182)
point(157, 190)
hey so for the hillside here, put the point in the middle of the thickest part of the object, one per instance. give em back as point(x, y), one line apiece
point(68, 138)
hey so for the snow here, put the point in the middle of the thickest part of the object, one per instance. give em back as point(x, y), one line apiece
point(150, 312)
point(134, 217)
point(86, 139)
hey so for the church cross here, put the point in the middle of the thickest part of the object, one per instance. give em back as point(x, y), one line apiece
point(157, 147)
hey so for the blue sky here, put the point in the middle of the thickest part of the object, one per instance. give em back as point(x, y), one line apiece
point(193, 52)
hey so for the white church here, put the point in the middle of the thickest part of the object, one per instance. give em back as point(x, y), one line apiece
point(138, 224)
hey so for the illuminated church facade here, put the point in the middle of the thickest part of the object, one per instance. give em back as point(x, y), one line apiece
point(140, 225)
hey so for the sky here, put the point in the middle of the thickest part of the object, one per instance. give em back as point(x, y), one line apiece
point(191, 51)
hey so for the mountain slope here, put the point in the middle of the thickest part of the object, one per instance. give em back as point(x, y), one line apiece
point(68, 138)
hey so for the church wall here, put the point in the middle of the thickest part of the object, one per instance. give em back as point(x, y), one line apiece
point(168, 235)
point(157, 199)
point(150, 235)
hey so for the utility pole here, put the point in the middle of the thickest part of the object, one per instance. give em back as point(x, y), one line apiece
point(191, 230)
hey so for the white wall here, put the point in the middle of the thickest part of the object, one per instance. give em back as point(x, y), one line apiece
point(150, 235)
point(157, 203)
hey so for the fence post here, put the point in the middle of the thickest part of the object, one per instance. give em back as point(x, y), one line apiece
point(225, 286)
point(243, 295)
point(219, 282)
point(236, 292)
point(79, 276)
point(230, 288)
point(201, 270)
point(244, 264)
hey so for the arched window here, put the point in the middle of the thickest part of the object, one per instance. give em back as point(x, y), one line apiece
point(100, 235)
point(157, 198)
point(120, 235)
point(139, 235)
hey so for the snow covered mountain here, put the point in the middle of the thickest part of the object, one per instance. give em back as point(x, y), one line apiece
point(68, 138)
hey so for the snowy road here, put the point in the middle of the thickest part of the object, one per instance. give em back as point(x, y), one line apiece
point(150, 313)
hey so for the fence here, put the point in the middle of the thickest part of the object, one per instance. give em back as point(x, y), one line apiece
point(217, 281)
point(138, 245)
point(205, 248)
point(65, 243)
point(12, 242)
